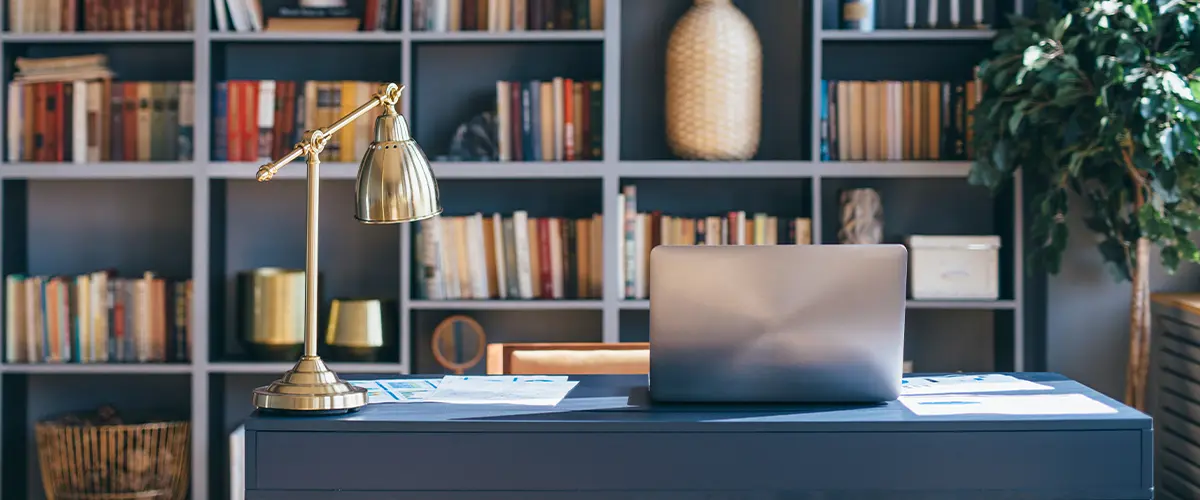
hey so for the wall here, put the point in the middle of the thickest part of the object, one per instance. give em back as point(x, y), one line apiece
point(1087, 320)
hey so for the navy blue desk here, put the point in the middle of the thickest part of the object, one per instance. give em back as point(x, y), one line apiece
point(605, 442)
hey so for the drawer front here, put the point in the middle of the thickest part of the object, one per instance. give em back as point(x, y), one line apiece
point(1074, 464)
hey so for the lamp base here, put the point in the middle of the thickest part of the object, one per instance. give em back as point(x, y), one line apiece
point(310, 388)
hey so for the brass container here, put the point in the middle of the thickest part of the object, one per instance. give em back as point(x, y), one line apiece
point(271, 313)
point(355, 331)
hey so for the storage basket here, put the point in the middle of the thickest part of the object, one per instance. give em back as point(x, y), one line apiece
point(84, 461)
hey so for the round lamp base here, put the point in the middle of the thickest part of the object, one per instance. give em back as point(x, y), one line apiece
point(310, 388)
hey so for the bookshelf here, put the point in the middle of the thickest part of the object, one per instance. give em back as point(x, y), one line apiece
point(208, 220)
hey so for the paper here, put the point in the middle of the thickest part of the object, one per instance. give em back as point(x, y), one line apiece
point(967, 384)
point(502, 389)
point(1004, 404)
point(397, 390)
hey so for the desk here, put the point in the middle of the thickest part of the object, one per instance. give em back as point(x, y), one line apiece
point(605, 442)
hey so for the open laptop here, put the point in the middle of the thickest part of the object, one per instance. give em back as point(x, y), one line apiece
point(777, 324)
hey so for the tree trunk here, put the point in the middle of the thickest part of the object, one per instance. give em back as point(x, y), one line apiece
point(1139, 329)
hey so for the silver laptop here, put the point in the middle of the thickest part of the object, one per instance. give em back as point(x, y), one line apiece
point(786, 323)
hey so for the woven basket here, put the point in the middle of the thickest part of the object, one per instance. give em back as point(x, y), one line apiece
point(714, 84)
point(114, 462)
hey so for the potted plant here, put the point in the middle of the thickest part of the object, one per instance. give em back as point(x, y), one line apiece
point(1100, 98)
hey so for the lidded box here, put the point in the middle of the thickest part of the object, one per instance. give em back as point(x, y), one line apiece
point(954, 267)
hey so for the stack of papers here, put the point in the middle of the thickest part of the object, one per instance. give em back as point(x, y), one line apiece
point(1037, 404)
point(472, 389)
point(966, 384)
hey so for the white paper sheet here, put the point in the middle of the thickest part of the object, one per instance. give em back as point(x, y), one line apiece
point(967, 384)
point(502, 389)
point(397, 390)
point(1005, 404)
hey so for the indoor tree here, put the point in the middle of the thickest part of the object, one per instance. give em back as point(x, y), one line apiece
point(1100, 98)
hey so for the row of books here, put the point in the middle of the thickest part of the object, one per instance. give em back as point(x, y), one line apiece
point(869, 15)
point(55, 16)
point(96, 318)
point(507, 15)
point(256, 120)
point(642, 231)
point(890, 120)
point(556, 120)
point(307, 15)
point(517, 257)
point(100, 120)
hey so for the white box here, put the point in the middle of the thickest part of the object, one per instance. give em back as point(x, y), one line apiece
point(954, 267)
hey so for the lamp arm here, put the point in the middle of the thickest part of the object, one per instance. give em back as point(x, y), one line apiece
point(314, 140)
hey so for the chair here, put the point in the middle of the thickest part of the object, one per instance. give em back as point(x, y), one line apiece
point(568, 358)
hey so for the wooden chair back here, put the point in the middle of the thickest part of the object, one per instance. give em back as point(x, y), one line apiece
point(568, 358)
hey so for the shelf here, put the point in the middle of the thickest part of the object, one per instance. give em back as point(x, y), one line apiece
point(101, 37)
point(505, 305)
point(908, 35)
point(893, 169)
point(634, 305)
point(294, 170)
point(280, 368)
point(506, 36)
point(519, 170)
point(716, 169)
point(114, 170)
point(308, 36)
point(97, 368)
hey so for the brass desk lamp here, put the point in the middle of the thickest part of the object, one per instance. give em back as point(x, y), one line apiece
point(395, 184)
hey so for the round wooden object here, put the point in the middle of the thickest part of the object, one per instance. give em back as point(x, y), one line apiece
point(444, 335)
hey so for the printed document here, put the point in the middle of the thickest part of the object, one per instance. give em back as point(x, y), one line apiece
point(502, 389)
point(1005, 404)
point(967, 384)
point(397, 390)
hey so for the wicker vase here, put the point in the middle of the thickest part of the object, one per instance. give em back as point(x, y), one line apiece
point(714, 84)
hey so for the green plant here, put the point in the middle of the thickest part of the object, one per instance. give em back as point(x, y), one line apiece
point(1101, 98)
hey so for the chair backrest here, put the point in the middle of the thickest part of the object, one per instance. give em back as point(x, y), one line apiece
point(568, 358)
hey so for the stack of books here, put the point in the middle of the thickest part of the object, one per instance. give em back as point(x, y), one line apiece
point(68, 110)
point(557, 120)
point(891, 120)
point(307, 15)
point(507, 15)
point(55, 16)
point(96, 318)
point(517, 257)
point(642, 231)
point(256, 120)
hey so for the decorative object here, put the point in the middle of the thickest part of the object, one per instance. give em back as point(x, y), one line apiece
point(102, 456)
point(862, 217)
point(858, 15)
point(355, 331)
point(714, 84)
point(475, 140)
point(458, 343)
point(270, 311)
point(1100, 100)
point(954, 267)
point(395, 184)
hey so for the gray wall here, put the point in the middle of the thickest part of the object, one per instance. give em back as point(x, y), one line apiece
point(1087, 324)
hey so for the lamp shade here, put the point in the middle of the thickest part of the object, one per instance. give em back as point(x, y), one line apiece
point(395, 183)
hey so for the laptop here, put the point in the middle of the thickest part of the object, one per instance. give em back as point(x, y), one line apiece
point(777, 324)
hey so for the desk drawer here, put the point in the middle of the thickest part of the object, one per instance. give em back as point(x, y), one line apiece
point(1069, 464)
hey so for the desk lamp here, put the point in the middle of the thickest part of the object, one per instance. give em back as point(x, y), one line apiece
point(395, 184)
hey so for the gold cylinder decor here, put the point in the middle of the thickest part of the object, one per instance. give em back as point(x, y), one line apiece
point(271, 312)
point(114, 462)
point(714, 84)
point(356, 328)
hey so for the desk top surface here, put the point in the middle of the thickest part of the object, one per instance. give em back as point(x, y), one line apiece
point(621, 403)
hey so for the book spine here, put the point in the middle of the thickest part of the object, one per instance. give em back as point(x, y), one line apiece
point(534, 91)
point(220, 126)
point(265, 120)
point(187, 121)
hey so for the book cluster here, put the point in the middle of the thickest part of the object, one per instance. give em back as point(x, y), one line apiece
point(306, 15)
point(507, 15)
point(517, 257)
point(640, 232)
point(55, 16)
point(869, 15)
point(256, 120)
point(96, 318)
point(69, 110)
point(556, 120)
point(889, 120)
